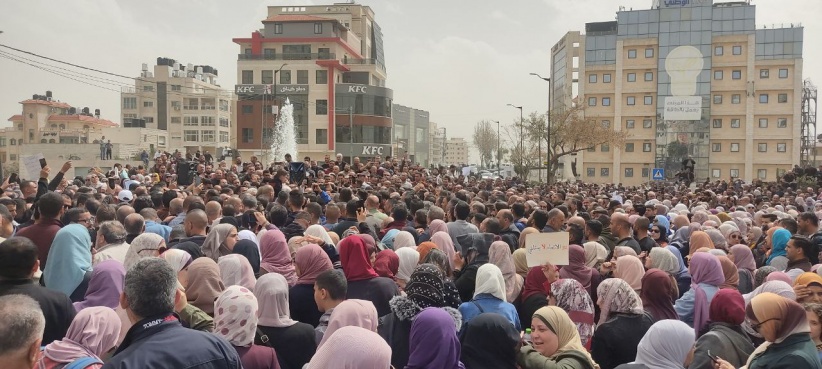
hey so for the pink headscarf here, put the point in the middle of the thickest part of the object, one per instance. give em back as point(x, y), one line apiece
point(311, 261)
point(276, 258)
point(630, 269)
point(576, 268)
point(617, 296)
point(779, 276)
point(235, 270)
point(360, 313)
point(437, 226)
point(272, 296)
point(500, 255)
point(352, 347)
point(93, 332)
point(444, 243)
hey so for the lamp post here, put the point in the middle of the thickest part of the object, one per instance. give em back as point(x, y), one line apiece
point(548, 123)
point(521, 136)
point(498, 159)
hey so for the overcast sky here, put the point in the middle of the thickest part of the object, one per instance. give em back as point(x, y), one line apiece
point(462, 61)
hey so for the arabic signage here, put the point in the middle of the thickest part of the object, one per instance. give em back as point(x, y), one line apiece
point(683, 108)
point(269, 89)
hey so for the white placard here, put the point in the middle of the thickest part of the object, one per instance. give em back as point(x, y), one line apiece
point(683, 108)
point(32, 165)
point(542, 247)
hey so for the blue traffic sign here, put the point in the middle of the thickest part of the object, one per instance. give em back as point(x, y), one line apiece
point(658, 174)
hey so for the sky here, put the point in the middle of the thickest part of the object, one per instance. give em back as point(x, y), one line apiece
point(463, 61)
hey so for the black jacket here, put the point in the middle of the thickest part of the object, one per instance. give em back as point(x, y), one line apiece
point(292, 230)
point(56, 306)
point(615, 341)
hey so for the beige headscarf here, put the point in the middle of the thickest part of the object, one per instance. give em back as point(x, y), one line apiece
point(525, 232)
point(521, 262)
point(566, 331)
point(500, 255)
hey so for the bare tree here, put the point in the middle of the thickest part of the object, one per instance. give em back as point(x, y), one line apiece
point(522, 148)
point(485, 140)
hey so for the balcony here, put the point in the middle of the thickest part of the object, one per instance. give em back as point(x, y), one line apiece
point(191, 107)
point(360, 61)
point(208, 107)
point(294, 56)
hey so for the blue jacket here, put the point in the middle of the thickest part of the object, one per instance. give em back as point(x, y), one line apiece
point(162, 342)
point(157, 228)
point(487, 303)
point(684, 306)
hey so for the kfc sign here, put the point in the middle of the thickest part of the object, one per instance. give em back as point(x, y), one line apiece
point(372, 150)
point(358, 89)
point(269, 90)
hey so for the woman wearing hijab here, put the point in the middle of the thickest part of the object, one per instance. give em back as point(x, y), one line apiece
point(576, 269)
point(808, 288)
point(555, 343)
point(622, 323)
point(324, 240)
point(699, 240)
point(451, 294)
point(404, 239)
point(784, 326)
point(475, 253)
point(204, 284)
point(668, 344)
point(535, 293)
point(408, 260)
point(352, 348)
point(717, 239)
point(814, 313)
point(424, 248)
point(433, 341)
point(70, 270)
point(357, 313)
point(293, 341)
point(521, 263)
point(595, 254)
point(310, 262)
point(236, 322)
point(658, 295)
point(363, 282)
point(730, 272)
point(388, 239)
point(724, 336)
point(436, 226)
point(236, 270)
point(659, 234)
point(620, 251)
point(706, 277)
point(761, 274)
point(630, 269)
point(387, 264)
point(104, 287)
point(683, 277)
point(569, 295)
point(179, 261)
point(500, 255)
point(249, 250)
point(146, 245)
point(778, 257)
point(663, 259)
point(92, 335)
point(191, 248)
point(731, 233)
point(489, 296)
point(489, 341)
point(275, 256)
point(249, 236)
point(526, 231)
point(745, 265)
point(446, 245)
point(220, 241)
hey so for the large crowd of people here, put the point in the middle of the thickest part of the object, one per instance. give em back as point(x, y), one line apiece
point(203, 262)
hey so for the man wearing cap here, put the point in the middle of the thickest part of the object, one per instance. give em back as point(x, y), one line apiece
point(125, 196)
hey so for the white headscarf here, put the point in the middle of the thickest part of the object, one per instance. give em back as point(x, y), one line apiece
point(272, 294)
point(665, 345)
point(318, 231)
point(179, 260)
point(248, 235)
point(143, 246)
point(404, 239)
point(408, 261)
point(491, 281)
point(595, 253)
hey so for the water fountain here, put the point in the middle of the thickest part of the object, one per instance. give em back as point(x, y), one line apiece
point(285, 139)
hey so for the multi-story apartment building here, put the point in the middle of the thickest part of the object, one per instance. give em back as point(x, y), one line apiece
point(411, 127)
point(184, 100)
point(456, 151)
point(686, 79)
point(328, 61)
point(436, 138)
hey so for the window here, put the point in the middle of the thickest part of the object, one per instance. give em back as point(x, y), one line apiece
point(267, 77)
point(324, 53)
point(646, 172)
point(734, 173)
point(603, 172)
point(247, 77)
point(191, 121)
point(783, 73)
point(734, 147)
point(719, 51)
point(647, 123)
point(302, 77)
point(717, 123)
point(207, 136)
point(176, 105)
point(631, 100)
point(13, 142)
point(737, 50)
point(321, 107)
point(592, 149)
point(763, 98)
point(223, 136)
point(629, 172)
point(322, 77)
point(590, 172)
point(629, 147)
point(632, 54)
point(285, 77)
point(297, 52)
point(649, 76)
point(248, 109)
point(646, 147)
point(592, 78)
point(191, 136)
point(269, 53)
point(649, 52)
point(605, 148)
point(631, 77)
point(629, 123)
point(734, 123)
point(223, 122)
point(717, 99)
point(318, 28)
point(782, 98)
point(207, 121)
point(716, 147)
point(737, 74)
point(129, 103)
point(717, 74)
point(12, 157)
point(763, 122)
point(781, 147)
point(592, 101)
point(762, 174)
point(763, 147)
point(782, 123)
point(606, 101)
point(716, 173)
point(606, 78)
point(606, 124)
point(248, 135)
point(278, 28)
point(148, 88)
point(736, 99)
point(148, 119)
point(780, 172)
point(322, 136)
point(175, 120)
point(764, 73)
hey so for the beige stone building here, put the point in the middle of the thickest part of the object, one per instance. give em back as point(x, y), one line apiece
point(456, 151)
point(436, 138)
point(694, 80)
point(185, 101)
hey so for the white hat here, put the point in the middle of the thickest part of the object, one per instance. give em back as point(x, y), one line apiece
point(125, 196)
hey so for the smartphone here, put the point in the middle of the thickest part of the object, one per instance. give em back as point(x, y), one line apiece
point(13, 178)
point(112, 182)
point(198, 180)
point(42, 163)
point(714, 358)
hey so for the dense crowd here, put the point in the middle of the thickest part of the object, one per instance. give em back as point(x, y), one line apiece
point(202, 262)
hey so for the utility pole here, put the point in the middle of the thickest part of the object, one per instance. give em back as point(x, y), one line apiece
point(498, 159)
point(521, 138)
point(351, 135)
point(548, 121)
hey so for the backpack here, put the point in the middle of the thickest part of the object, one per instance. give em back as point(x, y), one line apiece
point(82, 362)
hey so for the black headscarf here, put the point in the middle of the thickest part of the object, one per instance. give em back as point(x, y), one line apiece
point(191, 248)
point(489, 340)
point(249, 249)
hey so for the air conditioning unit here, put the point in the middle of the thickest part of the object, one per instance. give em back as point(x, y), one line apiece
point(176, 108)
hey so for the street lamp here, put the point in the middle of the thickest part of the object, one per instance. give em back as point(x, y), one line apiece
point(521, 136)
point(498, 159)
point(548, 138)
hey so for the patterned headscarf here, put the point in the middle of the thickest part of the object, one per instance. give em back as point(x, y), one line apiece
point(425, 287)
point(761, 274)
point(572, 297)
point(235, 316)
point(617, 296)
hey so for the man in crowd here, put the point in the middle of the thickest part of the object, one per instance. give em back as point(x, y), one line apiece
point(21, 331)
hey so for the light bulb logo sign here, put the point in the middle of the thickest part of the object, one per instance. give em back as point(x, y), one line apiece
point(683, 65)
